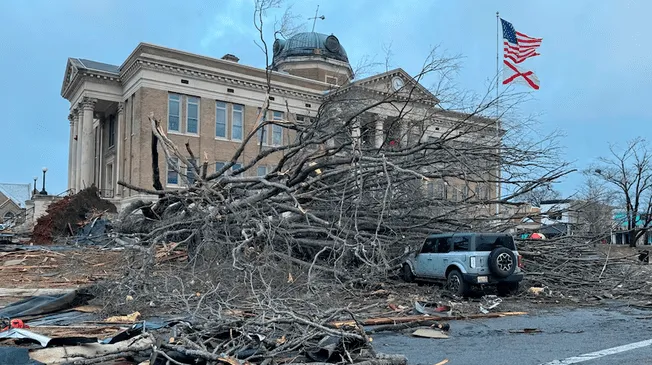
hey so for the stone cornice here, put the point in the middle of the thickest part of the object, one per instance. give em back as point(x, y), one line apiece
point(82, 75)
point(142, 63)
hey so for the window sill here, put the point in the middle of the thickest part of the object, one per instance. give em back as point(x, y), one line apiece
point(183, 134)
point(217, 138)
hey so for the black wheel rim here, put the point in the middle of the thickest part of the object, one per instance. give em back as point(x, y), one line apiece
point(454, 283)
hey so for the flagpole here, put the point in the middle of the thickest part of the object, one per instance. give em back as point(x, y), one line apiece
point(497, 110)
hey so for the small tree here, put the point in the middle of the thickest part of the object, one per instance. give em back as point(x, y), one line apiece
point(595, 208)
point(629, 173)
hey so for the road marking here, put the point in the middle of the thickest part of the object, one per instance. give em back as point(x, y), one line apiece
point(601, 353)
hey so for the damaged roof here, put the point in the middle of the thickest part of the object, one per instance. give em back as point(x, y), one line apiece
point(85, 64)
point(18, 193)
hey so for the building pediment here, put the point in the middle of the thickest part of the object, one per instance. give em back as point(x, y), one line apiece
point(396, 83)
point(79, 69)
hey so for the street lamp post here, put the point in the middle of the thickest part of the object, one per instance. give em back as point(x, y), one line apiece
point(35, 191)
point(43, 192)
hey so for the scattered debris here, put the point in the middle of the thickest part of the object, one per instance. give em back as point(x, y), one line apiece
point(576, 267)
point(130, 318)
point(408, 319)
point(70, 212)
point(526, 330)
point(491, 302)
point(429, 333)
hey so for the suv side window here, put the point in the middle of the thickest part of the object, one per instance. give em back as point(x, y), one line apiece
point(488, 243)
point(429, 246)
point(460, 243)
point(443, 245)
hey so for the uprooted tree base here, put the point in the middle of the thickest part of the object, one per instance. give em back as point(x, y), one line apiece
point(62, 218)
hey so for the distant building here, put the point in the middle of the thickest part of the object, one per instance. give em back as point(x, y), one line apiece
point(213, 104)
point(12, 202)
point(620, 234)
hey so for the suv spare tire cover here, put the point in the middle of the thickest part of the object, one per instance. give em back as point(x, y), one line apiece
point(502, 262)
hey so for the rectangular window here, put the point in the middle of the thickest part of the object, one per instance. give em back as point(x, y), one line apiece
point(190, 171)
point(236, 122)
point(109, 176)
point(220, 119)
point(487, 242)
point(236, 166)
point(260, 133)
point(174, 112)
point(277, 130)
point(455, 196)
point(192, 115)
point(173, 176)
point(465, 192)
point(460, 243)
point(219, 166)
point(133, 115)
point(261, 171)
point(111, 131)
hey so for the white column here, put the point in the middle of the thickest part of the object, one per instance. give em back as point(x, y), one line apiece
point(78, 151)
point(405, 131)
point(74, 164)
point(87, 143)
point(379, 137)
point(118, 149)
point(71, 142)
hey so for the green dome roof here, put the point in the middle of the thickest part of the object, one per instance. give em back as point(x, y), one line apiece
point(304, 44)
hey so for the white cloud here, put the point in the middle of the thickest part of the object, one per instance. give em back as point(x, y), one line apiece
point(232, 20)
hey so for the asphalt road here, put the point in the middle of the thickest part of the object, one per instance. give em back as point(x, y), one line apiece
point(613, 335)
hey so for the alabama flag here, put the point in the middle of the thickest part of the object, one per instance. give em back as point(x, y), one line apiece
point(513, 73)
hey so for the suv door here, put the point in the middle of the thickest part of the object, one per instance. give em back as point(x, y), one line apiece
point(441, 257)
point(425, 264)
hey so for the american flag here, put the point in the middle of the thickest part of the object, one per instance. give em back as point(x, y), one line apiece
point(517, 46)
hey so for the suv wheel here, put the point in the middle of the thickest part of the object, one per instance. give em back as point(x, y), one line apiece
point(408, 276)
point(455, 283)
point(502, 262)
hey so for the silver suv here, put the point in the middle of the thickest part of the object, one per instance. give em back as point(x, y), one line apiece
point(467, 259)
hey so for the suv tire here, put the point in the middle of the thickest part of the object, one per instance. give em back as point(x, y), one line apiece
point(408, 276)
point(456, 284)
point(502, 262)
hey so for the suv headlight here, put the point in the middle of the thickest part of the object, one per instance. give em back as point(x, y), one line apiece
point(472, 263)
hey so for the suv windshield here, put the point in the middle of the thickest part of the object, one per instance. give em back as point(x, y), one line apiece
point(489, 242)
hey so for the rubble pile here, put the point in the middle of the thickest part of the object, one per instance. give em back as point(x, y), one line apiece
point(64, 217)
point(579, 269)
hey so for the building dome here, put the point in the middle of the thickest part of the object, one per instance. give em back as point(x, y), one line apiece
point(309, 44)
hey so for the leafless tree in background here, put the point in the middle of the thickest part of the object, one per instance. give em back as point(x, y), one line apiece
point(628, 174)
point(544, 192)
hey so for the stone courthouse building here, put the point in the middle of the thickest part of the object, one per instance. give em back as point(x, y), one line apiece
point(210, 103)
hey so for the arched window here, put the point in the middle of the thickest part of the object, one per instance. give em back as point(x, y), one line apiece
point(9, 216)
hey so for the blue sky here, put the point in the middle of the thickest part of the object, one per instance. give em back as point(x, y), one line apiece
point(595, 68)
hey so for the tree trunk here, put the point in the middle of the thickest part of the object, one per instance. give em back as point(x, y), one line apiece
point(632, 236)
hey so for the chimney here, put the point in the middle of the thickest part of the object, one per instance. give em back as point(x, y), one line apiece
point(230, 57)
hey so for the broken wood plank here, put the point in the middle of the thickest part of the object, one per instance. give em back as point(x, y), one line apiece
point(429, 333)
point(395, 320)
point(32, 292)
